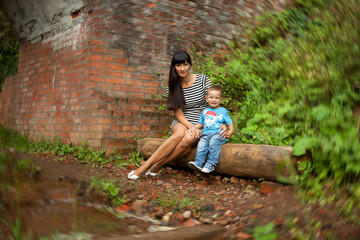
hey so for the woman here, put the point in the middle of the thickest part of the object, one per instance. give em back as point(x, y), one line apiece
point(186, 97)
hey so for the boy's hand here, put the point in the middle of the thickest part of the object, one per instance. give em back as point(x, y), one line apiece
point(229, 134)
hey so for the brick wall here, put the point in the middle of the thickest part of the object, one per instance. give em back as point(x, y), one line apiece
point(101, 79)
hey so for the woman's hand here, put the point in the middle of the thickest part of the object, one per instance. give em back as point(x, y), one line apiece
point(223, 133)
point(229, 134)
point(194, 131)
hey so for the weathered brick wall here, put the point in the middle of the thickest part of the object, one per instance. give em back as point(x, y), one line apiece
point(101, 78)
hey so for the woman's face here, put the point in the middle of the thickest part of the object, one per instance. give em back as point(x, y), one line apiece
point(183, 69)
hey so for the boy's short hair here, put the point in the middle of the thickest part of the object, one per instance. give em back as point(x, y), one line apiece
point(215, 88)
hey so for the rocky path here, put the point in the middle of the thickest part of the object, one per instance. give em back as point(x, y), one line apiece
point(192, 204)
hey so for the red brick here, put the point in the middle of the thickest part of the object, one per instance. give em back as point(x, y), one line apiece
point(115, 80)
point(95, 71)
point(97, 49)
point(104, 120)
point(152, 84)
point(95, 57)
point(127, 128)
point(96, 42)
point(117, 74)
point(116, 67)
point(117, 51)
point(98, 64)
point(127, 75)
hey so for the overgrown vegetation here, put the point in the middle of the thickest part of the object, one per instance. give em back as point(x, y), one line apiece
point(109, 188)
point(82, 153)
point(173, 200)
point(298, 83)
point(9, 49)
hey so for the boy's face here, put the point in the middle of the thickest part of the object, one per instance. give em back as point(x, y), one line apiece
point(213, 98)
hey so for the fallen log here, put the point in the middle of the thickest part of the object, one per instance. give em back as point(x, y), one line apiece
point(239, 160)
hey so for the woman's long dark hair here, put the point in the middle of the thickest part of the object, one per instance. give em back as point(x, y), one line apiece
point(176, 93)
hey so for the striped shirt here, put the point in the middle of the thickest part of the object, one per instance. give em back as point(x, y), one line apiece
point(195, 101)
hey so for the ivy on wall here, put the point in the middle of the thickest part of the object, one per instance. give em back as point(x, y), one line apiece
point(9, 49)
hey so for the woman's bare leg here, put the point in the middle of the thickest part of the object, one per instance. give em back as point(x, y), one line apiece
point(182, 149)
point(165, 149)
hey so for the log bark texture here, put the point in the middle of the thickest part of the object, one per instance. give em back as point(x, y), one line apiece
point(240, 160)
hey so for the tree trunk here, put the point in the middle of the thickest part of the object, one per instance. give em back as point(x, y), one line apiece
point(240, 160)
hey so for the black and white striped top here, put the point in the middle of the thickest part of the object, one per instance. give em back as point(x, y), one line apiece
point(195, 98)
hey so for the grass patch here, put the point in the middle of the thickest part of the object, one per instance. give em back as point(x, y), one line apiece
point(176, 202)
point(108, 188)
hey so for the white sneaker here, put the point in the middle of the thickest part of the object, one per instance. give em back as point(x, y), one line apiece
point(132, 176)
point(208, 168)
point(151, 174)
point(194, 166)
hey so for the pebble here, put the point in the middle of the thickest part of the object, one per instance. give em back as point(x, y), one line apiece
point(209, 207)
point(234, 180)
point(226, 180)
point(243, 235)
point(137, 206)
point(187, 214)
point(243, 181)
point(190, 223)
point(167, 217)
point(159, 214)
point(206, 220)
point(223, 222)
point(159, 183)
point(258, 205)
point(228, 213)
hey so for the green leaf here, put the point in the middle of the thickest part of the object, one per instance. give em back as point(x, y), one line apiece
point(320, 112)
point(302, 145)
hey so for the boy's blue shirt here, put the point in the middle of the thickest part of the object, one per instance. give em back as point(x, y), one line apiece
point(212, 118)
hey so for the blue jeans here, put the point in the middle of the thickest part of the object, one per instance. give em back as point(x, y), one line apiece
point(209, 143)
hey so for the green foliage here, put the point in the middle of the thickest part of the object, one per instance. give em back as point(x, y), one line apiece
point(82, 153)
point(16, 230)
point(12, 165)
point(3, 162)
point(265, 232)
point(10, 138)
point(109, 188)
point(69, 236)
point(309, 233)
point(297, 83)
point(25, 166)
point(136, 158)
point(175, 201)
point(279, 24)
point(9, 49)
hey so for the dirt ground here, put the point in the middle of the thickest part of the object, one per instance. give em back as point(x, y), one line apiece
point(239, 205)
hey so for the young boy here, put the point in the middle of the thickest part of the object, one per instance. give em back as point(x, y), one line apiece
point(210, 140)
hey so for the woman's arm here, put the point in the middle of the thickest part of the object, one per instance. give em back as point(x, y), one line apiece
point(182, 119)
point(193, 130)
point(231, 131)
point(223, 127)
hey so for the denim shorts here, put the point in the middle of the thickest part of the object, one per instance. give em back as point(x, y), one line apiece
point(175, 121)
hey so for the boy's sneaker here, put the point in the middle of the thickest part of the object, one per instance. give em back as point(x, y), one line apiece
point(208, 168)
point(194, 166)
